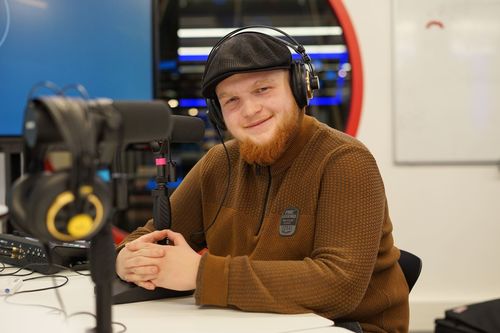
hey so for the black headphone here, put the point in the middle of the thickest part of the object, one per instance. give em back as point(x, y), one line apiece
point(65, 205)
point(303, 79)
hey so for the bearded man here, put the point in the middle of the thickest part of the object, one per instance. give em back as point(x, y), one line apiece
point(293, 214)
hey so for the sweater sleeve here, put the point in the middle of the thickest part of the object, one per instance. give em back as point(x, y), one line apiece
point(334, 278)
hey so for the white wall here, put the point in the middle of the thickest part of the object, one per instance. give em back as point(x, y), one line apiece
point(447, 215)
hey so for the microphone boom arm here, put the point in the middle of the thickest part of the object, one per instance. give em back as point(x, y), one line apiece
point(164, 173)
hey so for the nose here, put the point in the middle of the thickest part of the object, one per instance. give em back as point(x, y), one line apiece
point(251, 107)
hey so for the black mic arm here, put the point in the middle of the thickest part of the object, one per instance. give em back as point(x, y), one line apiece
point(161, 202)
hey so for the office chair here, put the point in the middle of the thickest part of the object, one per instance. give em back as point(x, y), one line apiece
point(411, 265)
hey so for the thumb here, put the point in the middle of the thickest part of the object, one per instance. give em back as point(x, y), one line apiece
point(176, 238)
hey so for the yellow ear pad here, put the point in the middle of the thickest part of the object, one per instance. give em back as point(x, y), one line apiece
point(79, 226)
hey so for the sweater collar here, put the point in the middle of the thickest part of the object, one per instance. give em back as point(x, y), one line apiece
point(296, 145)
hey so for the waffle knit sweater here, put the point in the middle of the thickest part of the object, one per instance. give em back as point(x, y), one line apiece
point(310, 233)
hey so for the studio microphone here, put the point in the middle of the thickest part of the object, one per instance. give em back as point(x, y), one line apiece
point(186, 129)
point(144, 121)
point(136, 121)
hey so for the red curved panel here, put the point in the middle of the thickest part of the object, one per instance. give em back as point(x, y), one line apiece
point(356, 66)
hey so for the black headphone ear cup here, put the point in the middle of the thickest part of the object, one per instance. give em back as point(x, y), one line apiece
point(51, 206)
point(215, 114)
point(298, 83)
point(20, 196)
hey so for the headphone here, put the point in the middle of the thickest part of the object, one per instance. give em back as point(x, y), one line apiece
point(303, 78)
point(65, 205)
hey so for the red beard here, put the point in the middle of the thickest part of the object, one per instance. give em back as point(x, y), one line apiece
point(269, 152)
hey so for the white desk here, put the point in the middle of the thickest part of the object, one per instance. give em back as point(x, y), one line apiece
point(36, 312)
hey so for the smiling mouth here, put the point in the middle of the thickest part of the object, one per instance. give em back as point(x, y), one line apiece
point(257, 123)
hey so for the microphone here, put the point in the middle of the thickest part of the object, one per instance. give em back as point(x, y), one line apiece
point(186, 129)
point(137, 121)
point(144, 121)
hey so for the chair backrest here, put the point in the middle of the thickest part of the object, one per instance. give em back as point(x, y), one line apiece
point(411, 265)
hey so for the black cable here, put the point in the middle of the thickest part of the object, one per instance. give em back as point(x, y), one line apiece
point(58, 310)
point(46, 288)
point(28, 267)
point(48, 253)
point(228, 183)
point(18, 270)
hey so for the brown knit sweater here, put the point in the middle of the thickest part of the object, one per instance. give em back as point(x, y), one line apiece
point(311, 233)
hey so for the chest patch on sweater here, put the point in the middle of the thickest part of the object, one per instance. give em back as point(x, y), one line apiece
point(288, 222)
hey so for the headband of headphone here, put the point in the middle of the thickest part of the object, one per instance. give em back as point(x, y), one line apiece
point(73, 123)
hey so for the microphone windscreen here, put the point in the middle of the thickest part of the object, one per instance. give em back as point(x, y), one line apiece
point(144, 121)
point(187, 129)
point(140, 121)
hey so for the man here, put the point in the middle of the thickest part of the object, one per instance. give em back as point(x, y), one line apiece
point(293, 213)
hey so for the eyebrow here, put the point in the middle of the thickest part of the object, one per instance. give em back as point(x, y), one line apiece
point(256, 83)
point(263, 81)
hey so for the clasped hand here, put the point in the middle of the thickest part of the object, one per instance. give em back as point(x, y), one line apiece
point(150, 265)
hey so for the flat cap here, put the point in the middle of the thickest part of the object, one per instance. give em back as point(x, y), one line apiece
point(244, 52)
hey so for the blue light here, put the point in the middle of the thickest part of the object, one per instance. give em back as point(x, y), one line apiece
point(193, 58)
point(325, 101)
point(342, 57)
point(104, 174)
point(192, 103)
point(319, 100)
point(167, 65)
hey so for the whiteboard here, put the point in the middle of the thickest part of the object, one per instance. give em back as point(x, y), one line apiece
point(446, 80)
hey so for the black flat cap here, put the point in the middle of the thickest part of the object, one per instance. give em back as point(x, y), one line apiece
point(244, 52)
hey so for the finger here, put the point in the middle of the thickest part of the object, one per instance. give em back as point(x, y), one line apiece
point(144, 270)
point(140, 261)
point(140, 278)
point(138, 274)
point(145, 249)
point(146, 285)
point(176, 238)
point(152, 237)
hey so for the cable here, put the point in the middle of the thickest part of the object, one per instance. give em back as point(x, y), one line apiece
point(225, 193)
point(48, 253)
point(82, 91)
point(18, 270)
point(28, 267)
point(46, 288)
point(57, 310)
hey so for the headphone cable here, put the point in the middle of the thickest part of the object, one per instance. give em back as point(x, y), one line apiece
point(203, 232)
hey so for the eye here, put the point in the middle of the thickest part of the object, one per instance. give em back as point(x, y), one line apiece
point(230, 101)
point(262, 89)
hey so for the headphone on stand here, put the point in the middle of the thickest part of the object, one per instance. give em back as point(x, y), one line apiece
point(303, 78)
point(65, 205)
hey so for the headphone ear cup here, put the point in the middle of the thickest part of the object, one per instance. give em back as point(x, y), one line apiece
point(51, 209)
point(298, 83)
point(47, 188)
point(20, 196)
point(215, 114)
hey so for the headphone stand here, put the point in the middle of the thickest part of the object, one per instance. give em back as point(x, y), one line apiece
point(102, 271)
